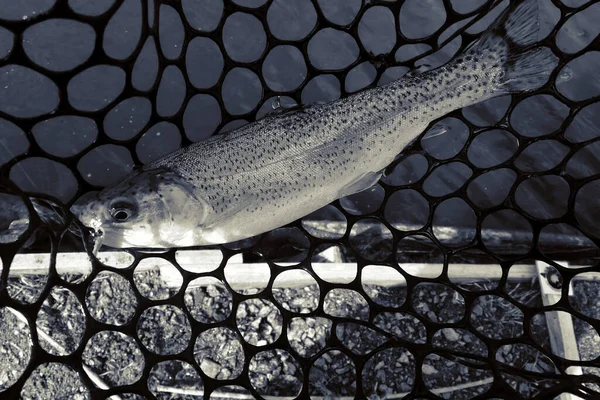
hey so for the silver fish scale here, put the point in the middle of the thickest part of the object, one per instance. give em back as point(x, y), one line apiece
point(297, 155)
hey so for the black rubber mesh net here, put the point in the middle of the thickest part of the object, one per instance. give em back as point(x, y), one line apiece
point(421, 287)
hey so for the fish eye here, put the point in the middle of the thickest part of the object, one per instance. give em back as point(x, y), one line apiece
point(122, 211)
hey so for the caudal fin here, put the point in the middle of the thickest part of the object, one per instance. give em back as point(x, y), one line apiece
point(509, 42)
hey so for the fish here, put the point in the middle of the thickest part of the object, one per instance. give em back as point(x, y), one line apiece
point(283, 167)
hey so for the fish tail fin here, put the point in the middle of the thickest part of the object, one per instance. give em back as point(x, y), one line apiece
point(508, 45)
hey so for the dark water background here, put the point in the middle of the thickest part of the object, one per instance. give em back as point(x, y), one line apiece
point(155, 93)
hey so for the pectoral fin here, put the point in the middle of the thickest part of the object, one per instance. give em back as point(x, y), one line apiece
point(362, 183)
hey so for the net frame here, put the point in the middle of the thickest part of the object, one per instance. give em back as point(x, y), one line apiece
point(499, 386)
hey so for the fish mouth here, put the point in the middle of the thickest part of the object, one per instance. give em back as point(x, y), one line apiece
point(94, 237)
point(83, 209)
point(87, 219)
point(96, 240)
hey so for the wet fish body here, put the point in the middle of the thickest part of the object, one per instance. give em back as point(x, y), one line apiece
point(283, 167)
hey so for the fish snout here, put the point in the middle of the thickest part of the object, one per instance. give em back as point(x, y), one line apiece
point(87, 211)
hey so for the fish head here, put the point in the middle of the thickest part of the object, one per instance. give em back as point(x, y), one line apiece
point(151, 208)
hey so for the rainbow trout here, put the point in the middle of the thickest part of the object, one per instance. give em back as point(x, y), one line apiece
point(283, 167)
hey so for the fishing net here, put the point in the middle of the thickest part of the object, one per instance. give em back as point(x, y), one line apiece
point(470, 271)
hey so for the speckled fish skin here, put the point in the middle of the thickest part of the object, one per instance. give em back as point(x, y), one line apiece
point(281, 168)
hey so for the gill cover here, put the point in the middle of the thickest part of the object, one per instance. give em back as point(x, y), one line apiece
point(149, 208)
point(169, 210)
